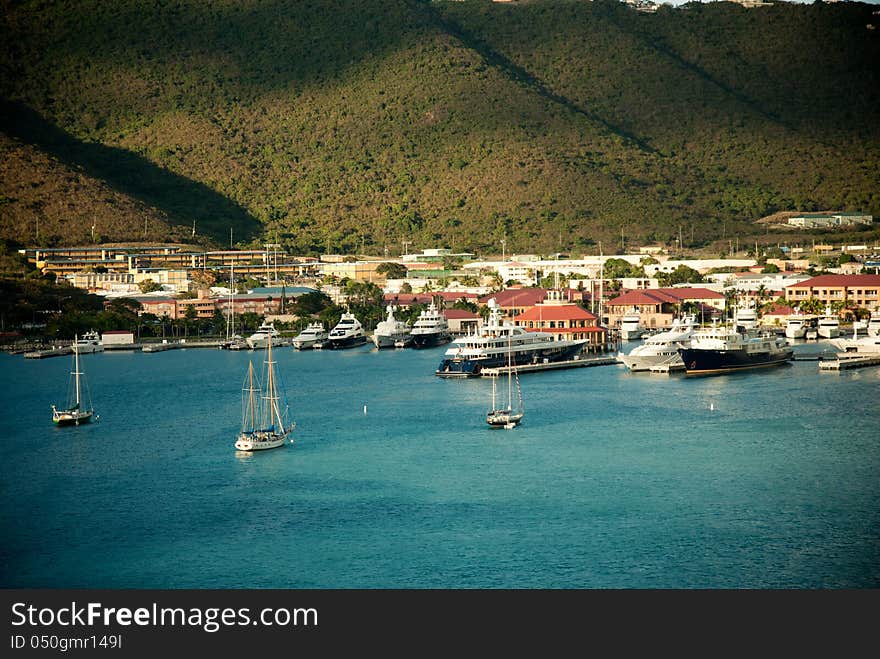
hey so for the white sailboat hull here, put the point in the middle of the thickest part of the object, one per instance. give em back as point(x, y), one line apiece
point(248, 442)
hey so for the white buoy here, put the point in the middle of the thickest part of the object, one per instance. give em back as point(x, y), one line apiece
point(365, 408)
point(711, 407)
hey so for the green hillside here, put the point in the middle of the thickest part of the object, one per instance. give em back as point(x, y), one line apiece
point(331, 125)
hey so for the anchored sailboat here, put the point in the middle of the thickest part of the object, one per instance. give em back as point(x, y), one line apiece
point(506, 417)
point(265, 423)
point(74, 414)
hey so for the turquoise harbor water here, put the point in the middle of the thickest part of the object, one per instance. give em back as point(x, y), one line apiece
point(614, 480)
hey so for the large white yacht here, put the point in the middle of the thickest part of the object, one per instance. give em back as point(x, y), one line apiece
point(874, 323)
point(500, 343)
point(828, 326)
point(631, 327)
point(661, 348)
point(260, 338)
point(431, 328)
point(797, 325)
point(392, 332)
point(312, 334)
point(746, 317)
point(347, 333)
point(89, 342)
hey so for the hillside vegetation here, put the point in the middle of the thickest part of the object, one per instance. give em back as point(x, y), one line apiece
point(333, 125)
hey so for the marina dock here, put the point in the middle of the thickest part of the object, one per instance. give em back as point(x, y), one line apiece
point(551, 366)
point(844, 362)
point(49, 352)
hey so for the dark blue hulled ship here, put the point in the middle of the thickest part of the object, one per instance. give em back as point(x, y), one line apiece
point(495, 342)
point(719, 349)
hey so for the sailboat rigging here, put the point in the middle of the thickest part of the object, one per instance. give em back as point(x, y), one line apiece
point(75, 414)
point(506, 417)
point(264, 423)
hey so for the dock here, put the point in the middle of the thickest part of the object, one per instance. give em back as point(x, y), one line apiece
point(551, 366)
point(162, 347)
point(842, 362)
point(49, 352)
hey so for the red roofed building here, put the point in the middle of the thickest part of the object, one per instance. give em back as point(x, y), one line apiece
point(461, 321)
point(857, 290)
point(657, 307)
point(563, 319)
point(514, 301)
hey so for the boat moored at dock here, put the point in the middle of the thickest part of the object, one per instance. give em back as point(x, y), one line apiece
point(260, 338)
point(662, 348)
point(498, 344)
point(347, 333)
point(721, 349)
point(391, 332)
point(431, 328)
point(313, 334)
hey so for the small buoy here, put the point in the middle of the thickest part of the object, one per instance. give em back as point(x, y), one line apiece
point(365, 409)
point(712, 407)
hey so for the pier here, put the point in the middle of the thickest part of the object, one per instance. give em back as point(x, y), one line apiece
point(49, 352)
point(842, 362)
point(550, 366)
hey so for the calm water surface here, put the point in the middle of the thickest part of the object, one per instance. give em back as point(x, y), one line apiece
point(614, 480)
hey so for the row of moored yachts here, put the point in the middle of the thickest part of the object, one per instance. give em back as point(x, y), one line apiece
point(430, 329)
point(740, 345)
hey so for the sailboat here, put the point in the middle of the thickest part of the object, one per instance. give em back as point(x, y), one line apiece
point(264, 423)
point(75, 414)
point(506, 417)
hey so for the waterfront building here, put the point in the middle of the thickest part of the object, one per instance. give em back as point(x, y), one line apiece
point(462, 321)
point(856, 290)
point(565, 320)
point(515, 301)
point(117, 338)
point(658, 307)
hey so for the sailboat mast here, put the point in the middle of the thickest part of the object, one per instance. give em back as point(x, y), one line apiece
point(76, 367)
point(252, 404)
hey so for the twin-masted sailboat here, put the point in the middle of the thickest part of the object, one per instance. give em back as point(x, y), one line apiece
point(506, 417)
point(75, 413)
point(265, 419)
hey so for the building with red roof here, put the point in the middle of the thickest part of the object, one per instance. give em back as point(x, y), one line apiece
point(514, 301)
point(856, 290)
point(564, 319)
point(657, 307)
point(461, 321)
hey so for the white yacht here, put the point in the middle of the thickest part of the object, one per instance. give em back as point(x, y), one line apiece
point(347, 333)
point(746, 317)
point(431, 328)
point(797, 324)
point(828, 326)
point(874, 323)
point(497, 344)
point(312, 334)
point(661, 348)
point(392, 332)
point(89, 342)
point(260, 338)
point(631, 327)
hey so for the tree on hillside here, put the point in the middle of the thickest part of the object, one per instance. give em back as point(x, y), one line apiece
point(149, 286)
point(392, 270)
point(683, 274)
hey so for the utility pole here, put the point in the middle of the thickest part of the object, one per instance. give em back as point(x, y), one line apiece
point(503, 253)
point(230, 237)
